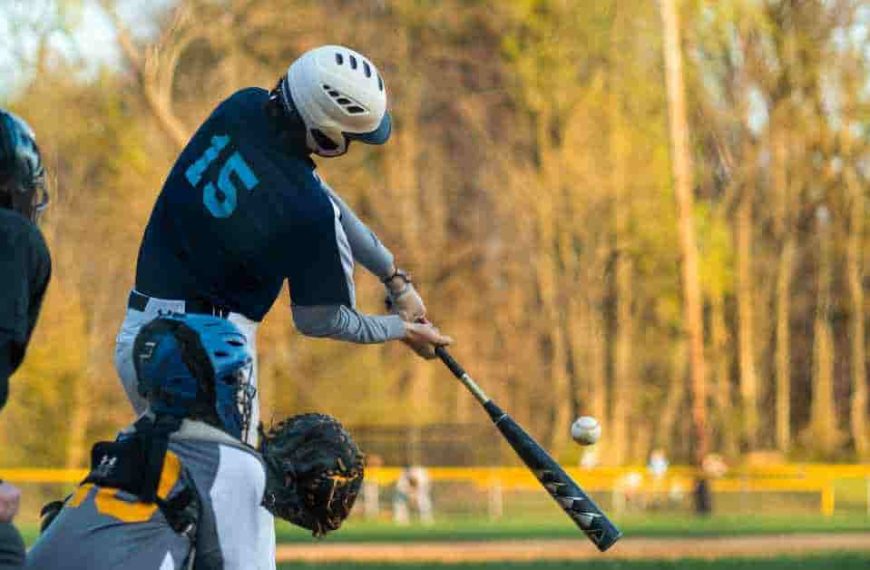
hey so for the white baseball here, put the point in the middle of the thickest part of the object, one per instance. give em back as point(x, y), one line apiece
point(585, 430)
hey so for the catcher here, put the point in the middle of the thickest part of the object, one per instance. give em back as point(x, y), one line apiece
point(179, 489)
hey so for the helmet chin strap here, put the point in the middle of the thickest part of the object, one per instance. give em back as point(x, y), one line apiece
point(287, 120)
point(323, 145)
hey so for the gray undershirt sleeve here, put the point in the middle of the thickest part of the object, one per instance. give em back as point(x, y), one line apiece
point(344, 323)
point(366, 247)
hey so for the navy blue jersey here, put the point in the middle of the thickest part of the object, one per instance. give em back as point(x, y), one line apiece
point(239, 213)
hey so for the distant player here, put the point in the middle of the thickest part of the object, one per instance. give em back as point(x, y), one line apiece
point(413, 491)
point(25, 268)
point(243, 210)
point(179, 489)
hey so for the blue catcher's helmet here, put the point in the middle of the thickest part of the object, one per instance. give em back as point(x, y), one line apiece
point(197, 367)
point(22, 176)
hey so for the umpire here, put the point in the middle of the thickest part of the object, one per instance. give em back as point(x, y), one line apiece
point(25, 268)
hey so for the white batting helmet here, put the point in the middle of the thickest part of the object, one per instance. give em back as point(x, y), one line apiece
point(340, 97)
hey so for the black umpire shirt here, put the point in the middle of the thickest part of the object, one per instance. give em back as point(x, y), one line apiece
point(25, 268)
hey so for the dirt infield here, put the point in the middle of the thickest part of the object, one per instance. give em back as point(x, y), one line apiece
point(627, 549)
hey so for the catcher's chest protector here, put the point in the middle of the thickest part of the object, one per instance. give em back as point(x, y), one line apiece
point(104, 520)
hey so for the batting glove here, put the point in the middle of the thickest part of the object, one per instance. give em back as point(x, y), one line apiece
point(402, 298)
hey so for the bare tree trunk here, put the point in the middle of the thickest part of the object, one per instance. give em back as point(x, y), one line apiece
point(82, 384)
point(745, 320)
point(823, 424)
point(855, 278)
point(682, 170)
point(675, 397)
point(597, 362)
point(623, 375)
point(782, 226)
point(548, 280)
point(591, 331)
point(783, 344)
point(77, 453)
point(721, 371)
point(156, 98)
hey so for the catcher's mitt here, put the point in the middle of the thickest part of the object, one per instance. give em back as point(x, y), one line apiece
point(314, 471)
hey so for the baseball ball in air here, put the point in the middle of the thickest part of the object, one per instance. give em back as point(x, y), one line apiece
point(585, 430)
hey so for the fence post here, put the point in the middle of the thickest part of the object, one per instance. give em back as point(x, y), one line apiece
point(496, 499)
point(618, 498)
point(828, 498)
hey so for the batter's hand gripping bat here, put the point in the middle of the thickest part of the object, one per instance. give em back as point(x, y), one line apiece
point(576, 503)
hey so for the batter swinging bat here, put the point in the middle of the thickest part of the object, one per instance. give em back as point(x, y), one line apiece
point(576, 504)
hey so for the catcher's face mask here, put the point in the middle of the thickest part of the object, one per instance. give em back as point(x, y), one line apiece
point(234, 400)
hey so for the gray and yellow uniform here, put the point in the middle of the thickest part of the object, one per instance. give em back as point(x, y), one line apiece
point(104, 528)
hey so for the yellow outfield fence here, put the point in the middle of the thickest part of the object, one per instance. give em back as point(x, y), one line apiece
point(622, 483)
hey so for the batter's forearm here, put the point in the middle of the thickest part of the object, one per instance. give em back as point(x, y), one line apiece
point(343, 323)
point(367, 248)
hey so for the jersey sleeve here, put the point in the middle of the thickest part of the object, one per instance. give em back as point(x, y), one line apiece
point(322, 292)
point(321, 263)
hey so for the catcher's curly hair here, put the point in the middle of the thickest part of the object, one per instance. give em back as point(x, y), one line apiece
point(314, 471)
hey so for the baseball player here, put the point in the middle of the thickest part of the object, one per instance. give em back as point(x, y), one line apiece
point(178, 489)
point(243, 209)
point(25, 268)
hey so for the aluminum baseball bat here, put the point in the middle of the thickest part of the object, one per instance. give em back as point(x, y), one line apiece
point(564, 490)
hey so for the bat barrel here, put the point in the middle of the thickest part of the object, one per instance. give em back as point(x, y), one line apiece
point(568, 495)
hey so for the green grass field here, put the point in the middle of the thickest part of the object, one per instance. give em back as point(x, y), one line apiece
point(474, 529)
point(834, 562)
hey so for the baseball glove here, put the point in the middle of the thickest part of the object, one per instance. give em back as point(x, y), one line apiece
point(314, 471)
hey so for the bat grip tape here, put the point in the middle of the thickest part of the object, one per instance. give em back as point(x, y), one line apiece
point(450, 362)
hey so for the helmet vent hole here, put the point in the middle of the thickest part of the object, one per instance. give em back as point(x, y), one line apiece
point(221, 353)
point(380, 83)
point(350, 106)
point(367, 68)
point(339, 59)
point(353, 63)
point(235, 342)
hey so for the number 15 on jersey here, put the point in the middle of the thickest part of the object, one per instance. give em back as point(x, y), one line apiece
point(221, 199)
